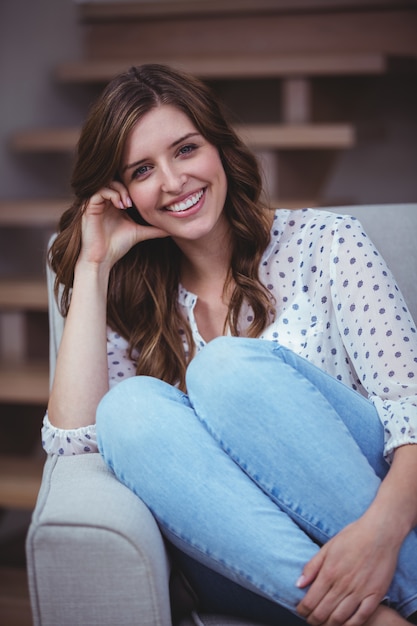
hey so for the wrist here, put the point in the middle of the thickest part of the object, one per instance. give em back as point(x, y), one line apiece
point(90, 270)
point(387, 522)
point(90, 289)
point(395, 504)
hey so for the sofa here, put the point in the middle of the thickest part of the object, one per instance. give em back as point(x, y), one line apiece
point(95, 556)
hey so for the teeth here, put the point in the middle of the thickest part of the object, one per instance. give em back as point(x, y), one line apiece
point(186, 204)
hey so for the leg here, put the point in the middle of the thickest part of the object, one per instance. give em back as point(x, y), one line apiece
point(283, 431)
point(221, 596)
point(204, 503)
point(302, 439)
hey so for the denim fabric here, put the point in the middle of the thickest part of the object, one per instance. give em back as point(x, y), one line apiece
point(264, 460)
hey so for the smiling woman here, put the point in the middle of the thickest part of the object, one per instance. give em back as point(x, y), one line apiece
point(153, 113)
point(248, 373)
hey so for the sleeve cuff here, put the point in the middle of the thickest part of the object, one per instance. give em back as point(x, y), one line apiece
point(63, 441)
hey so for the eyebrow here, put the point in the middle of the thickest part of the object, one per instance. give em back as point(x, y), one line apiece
point(173, 145)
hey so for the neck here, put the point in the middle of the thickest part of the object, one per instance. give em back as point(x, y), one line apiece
point(205, 262)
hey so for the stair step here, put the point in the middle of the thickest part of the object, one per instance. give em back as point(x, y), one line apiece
point(103, 11)
point(20, 479)
point(302, 136)
point(14, 597)
point(292, 203)
point(46, 140)
point(26, 383)
point(229, 66)
point(23, 294)
point(274, 136)
point(40, 212)
point(106, 10)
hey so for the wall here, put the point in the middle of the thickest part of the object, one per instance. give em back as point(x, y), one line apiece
point(382, 167)
point(35, 35)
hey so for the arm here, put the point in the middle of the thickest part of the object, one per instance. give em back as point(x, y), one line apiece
point(81, 373)
point(81, 376)
point(352, 572)
point(397, 497)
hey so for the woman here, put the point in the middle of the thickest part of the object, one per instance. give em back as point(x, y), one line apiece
point(248, 340)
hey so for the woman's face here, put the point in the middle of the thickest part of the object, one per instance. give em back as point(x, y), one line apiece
point(175, 178)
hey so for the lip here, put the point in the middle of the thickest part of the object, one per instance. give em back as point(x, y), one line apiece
point(193, 209)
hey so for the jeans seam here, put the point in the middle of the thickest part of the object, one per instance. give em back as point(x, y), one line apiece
point(401, 606)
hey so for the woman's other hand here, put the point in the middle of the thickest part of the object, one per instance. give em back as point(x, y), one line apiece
point(350, 575)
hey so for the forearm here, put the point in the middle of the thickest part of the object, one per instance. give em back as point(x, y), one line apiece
point(353, 570)
point(396, 502)
point(81, 375)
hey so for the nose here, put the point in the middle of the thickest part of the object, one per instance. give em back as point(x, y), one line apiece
point(173, 179)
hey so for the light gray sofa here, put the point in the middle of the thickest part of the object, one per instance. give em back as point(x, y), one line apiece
point(94, 552)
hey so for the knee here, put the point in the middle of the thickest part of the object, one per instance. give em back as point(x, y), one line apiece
point(218, 349)
point(214, 361)
point(127, 397)
point(127, 412)
point(226, 364)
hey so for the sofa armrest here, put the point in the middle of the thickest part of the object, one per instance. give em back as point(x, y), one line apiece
point(95, 554)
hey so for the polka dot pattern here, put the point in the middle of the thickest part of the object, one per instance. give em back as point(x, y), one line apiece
point(69, 442)
point(337, 305)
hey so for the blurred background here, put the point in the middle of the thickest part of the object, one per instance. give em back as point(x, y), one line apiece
point(324, 91)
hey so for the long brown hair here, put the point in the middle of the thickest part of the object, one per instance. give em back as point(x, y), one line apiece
point(143, 286)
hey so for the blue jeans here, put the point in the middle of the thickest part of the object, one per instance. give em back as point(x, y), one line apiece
point(264, 460)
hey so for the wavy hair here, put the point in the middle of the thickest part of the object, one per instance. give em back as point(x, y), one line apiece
point(142, 300)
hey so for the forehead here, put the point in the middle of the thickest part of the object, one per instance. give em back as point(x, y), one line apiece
point(159, 127)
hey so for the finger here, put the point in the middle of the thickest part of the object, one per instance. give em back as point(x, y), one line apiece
point(319, 613)
point(331, 611)
point(123, 192)
point(318, 589)
point(350, 610)
point(150, 232)
point(334, 611)
point(366, 609)
point(311, 570)
point(318, 602)
point(102, 198)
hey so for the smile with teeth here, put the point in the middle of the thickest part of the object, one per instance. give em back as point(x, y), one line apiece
point(189, 202)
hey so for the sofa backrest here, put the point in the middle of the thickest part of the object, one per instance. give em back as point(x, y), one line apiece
point(393, 230)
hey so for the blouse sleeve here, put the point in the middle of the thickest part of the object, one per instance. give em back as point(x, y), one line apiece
point(68, 441)
point(83, 440)
point(378, 330)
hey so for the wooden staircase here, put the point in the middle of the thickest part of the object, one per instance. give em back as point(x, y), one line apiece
point(14, 598)
point(23, 381)
point(295, 44)
point(274, 136)
point(32, 213)
point(234, 66)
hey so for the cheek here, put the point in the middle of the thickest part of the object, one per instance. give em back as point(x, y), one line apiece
point(215, 169)
point(222, 181)
point(141, 211)
point(142, 197)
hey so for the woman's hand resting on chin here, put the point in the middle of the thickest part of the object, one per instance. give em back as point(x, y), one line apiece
point(108, 233)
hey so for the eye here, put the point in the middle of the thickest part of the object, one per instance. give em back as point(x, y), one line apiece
point(141, 171)
point(187, 149)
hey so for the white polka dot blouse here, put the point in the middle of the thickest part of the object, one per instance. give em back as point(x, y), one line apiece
point(337, 305)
